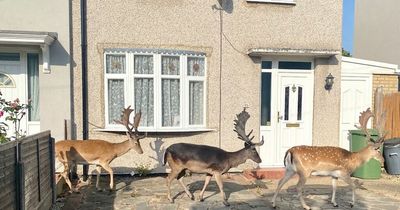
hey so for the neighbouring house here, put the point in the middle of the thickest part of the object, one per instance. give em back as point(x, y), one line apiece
point(376, 31)
point(35, 61)
point(360, 79)
point(191, 66)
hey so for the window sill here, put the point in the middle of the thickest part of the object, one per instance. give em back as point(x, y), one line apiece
point(179, 130)
point(273, 1)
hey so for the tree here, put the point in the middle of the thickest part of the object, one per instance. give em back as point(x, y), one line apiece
point(346, 53)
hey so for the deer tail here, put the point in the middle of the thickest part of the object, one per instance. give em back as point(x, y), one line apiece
point(165, 157)
point(288, 158)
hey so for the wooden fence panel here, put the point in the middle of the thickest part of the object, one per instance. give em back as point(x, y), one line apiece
point(391, 104)
point(8, 176)
point(27, 179)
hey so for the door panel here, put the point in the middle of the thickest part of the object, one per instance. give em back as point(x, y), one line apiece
point(356, 96)
point(15, 72)
point(295, 111)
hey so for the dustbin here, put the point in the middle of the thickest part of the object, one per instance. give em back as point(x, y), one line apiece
point(391, 153)
point(372, 168)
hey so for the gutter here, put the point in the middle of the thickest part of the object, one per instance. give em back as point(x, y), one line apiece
point(85, 129)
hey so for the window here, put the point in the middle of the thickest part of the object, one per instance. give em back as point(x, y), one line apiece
point(167, 86)
point(6, 81)
point(294, 65)
point(266, 94)
point(33, 86)
point(9, 56)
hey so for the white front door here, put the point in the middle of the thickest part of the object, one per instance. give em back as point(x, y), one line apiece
point(356, 96)
point(286, 108)
point(13, 86)
point(294, 111)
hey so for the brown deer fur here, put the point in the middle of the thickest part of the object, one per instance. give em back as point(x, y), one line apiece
point(328, 161)
point(209, 160)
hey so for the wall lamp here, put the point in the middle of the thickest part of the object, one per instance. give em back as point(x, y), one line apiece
point(329, 82)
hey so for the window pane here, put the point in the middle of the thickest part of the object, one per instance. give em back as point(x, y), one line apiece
point(266, 99)
point(6, 81)
point(33, 86)
point(195, 66)
point(170, 102)
point(143, 64)
point(9, 56)
point(294, 65)
point(170, 65)
point(266, 65)
point(287, 92)
point(115, 64)
point(144, 101)
point(115, 99)
point(299, 103)
point(196, 96)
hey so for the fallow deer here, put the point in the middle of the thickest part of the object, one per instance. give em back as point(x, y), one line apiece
point(210, 160)
point(330, 161)
point(99, 152)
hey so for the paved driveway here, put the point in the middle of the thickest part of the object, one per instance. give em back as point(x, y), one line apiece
point(150, 193)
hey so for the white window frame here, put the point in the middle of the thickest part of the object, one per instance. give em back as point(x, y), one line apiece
point(184, 81)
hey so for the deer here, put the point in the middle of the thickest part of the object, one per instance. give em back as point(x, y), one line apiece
point(331, 161)
point(99, 152)
point(212, 161)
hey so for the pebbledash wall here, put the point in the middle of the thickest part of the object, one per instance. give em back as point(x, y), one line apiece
point(196, 26)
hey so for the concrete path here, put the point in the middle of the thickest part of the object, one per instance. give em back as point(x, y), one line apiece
point(150, 193)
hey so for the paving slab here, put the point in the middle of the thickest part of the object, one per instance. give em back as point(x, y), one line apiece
point(150, 193)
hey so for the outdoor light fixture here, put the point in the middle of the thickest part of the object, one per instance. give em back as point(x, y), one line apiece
point(329, 82)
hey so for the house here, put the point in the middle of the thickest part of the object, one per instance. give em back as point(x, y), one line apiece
point(35, 61)
point(190, 66)
point(360, 78)
point(372, 39)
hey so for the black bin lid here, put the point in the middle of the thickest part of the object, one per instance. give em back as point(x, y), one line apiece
point(392, 142)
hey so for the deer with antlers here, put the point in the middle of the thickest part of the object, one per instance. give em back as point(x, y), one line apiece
point(99, 152)
point(331, 161)
point(210, 160)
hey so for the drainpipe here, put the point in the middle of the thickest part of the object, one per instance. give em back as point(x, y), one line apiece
point(84, 79)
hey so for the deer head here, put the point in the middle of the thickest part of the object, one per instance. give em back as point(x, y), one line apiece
point(240, 129)
point(132, 128)
point(373, 148)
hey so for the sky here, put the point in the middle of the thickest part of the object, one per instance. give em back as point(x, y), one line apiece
point(348, 25)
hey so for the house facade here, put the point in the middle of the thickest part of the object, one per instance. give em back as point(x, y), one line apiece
point(191, 66)
point(372, 39)
point(35, 62)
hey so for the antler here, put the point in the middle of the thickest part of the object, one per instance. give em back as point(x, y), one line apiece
point(129, 126)
point(363, 120)
point(240, 126)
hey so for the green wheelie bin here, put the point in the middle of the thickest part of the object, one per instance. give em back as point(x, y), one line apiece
point(372, 168)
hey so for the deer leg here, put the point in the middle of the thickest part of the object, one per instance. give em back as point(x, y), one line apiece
point(299, 187)
point(208, 178)
point(288, 174)
point(171, 176)
point(110, 171)
point(65, 174)
point(189, 194)
point(220, 184)
point(334, 182)
point(98, 169)
point(350, 182)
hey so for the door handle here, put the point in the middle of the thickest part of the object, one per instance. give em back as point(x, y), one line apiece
point(279, 117)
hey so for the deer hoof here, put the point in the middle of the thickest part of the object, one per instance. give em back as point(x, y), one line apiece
point(335, 205)
point(201, 199)
point(226, 203)
point(351, 205)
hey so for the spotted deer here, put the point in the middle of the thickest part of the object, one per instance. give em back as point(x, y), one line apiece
point(210, 160)
point(99, 152)
point(330, 161)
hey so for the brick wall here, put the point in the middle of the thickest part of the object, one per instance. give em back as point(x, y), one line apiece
point(388, 82)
